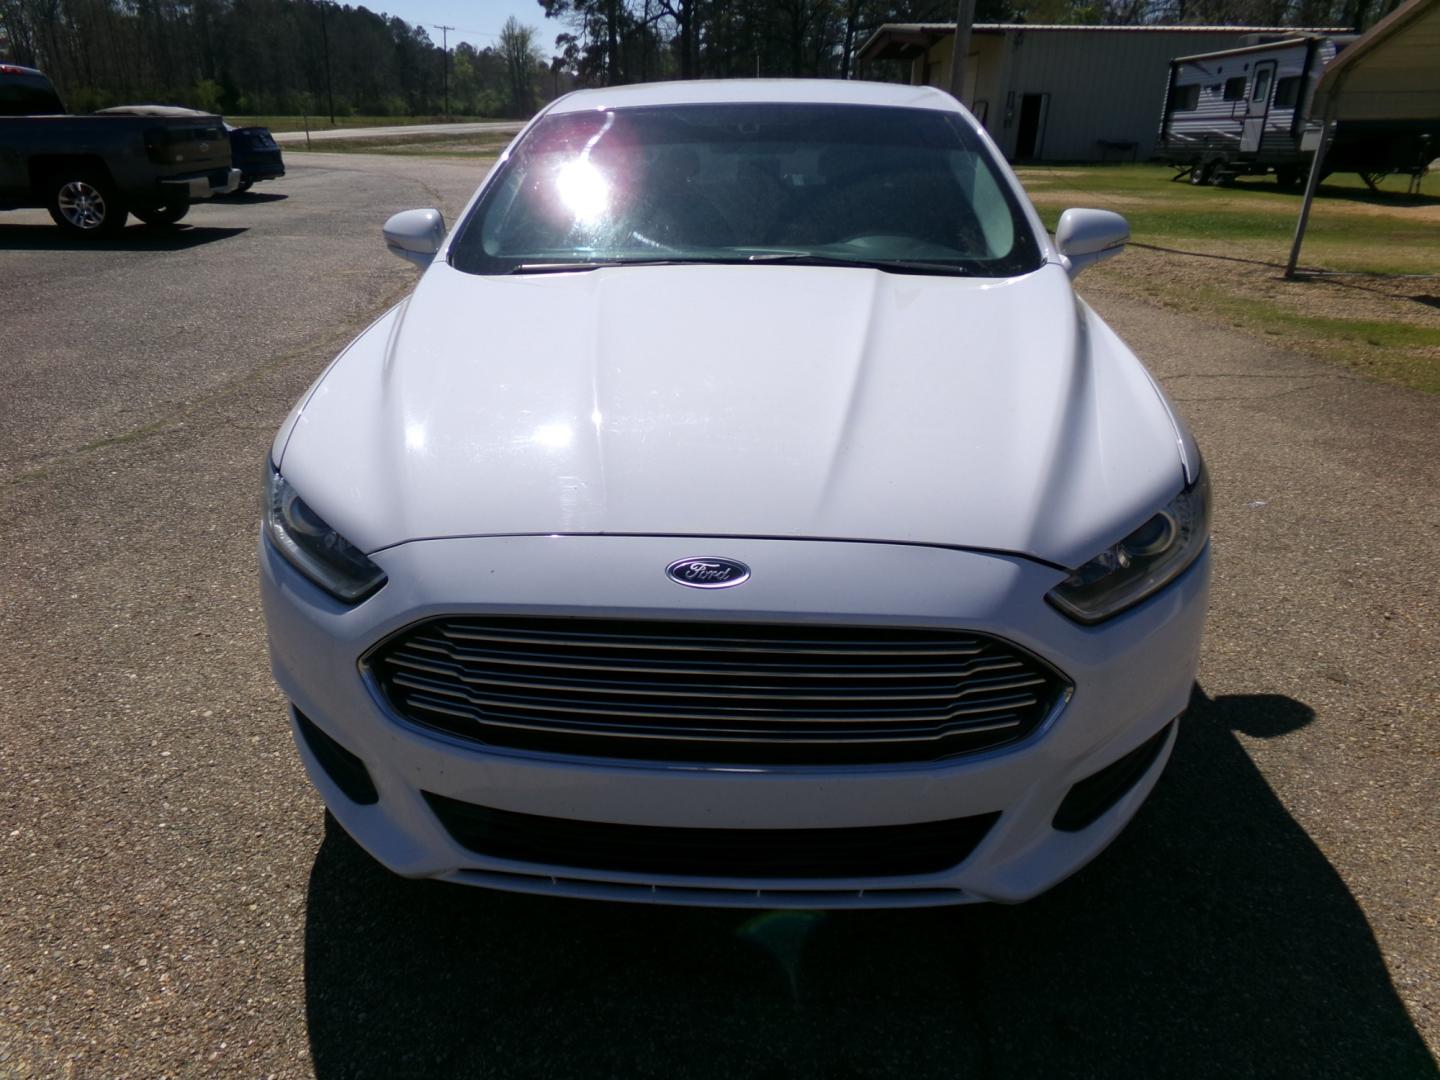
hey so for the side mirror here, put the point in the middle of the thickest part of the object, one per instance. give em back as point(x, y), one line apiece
point(1086, 237)
point(415, 235)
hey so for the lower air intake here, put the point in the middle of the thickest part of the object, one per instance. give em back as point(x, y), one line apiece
point(863, 852)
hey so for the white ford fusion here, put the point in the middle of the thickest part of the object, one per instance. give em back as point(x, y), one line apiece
point(742, 509)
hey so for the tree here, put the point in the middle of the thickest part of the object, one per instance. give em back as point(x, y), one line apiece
point(268, 56)
point(522, 57)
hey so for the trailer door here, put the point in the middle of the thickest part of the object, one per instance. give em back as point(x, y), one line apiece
point(1257, 107)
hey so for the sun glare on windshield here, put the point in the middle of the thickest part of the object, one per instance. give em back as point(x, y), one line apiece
point(584, 191)
point(903, 189)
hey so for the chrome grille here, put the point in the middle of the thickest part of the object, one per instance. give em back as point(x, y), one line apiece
point(714, 692)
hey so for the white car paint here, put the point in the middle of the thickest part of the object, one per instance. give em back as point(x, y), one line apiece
point(881, 450)
point(647, 408)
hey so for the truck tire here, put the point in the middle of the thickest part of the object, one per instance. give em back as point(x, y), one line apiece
point(85, 203)
point(162, 216)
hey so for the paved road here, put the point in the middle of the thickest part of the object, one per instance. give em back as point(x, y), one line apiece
point(171, 903)
point(497, 127)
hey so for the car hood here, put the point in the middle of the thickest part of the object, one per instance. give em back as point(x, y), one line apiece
point(716, 401)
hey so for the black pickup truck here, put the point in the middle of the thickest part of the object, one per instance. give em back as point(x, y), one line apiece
point(92, 171)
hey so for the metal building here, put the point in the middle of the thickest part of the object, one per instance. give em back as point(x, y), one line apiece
point(1062, 93)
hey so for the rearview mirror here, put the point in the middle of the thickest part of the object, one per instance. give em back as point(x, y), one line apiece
point(1086, 237)
point(415, 235)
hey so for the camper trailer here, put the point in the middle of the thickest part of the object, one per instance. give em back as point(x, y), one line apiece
point(1246, 112)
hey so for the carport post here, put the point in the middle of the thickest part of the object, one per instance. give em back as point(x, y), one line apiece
point(1317, 165)
point(960, 49)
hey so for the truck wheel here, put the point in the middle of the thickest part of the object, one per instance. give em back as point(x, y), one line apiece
point(245, 185)
point(86, 204)
point(163, 215)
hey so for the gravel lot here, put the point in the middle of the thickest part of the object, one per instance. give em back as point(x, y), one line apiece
point(172, 903)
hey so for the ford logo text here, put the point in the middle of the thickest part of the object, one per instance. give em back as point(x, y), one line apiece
point(708, 573)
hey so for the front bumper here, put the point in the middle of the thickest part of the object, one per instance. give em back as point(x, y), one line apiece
point(206, 186)
point(1131, 677)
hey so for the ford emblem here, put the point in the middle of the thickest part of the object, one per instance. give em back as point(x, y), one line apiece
point(708, 573)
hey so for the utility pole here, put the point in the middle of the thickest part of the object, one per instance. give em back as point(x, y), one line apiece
point(961, 48)
point(445, 62)
point(325, 39)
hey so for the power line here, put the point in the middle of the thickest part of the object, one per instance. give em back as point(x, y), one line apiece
point(445, 62)
point(325, 37)
point(478, 33)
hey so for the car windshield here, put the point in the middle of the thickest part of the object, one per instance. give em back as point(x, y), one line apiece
point(900, 189)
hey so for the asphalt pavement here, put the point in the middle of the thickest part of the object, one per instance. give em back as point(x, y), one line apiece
point(172, 902)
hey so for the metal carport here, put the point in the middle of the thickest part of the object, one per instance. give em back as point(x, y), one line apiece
point(1392, 72)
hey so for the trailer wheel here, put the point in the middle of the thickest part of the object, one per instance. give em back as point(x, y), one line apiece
point(1287, 176)
point(85, 203)
point(1200, 174)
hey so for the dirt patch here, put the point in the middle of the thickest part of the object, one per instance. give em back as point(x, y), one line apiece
point(1053, 197)
point(1388, 327)
point(1427, 210)
point(1029, 176)
point(1357, 297)
point(1218, 202)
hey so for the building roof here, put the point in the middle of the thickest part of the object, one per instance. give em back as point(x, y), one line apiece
point(721, 91)
point(1279, 43)
point(1093, 28)
point(1390, 72)
point(917, 34)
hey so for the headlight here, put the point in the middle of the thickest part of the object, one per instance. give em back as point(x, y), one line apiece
point(313, 547)
point(1148, 559)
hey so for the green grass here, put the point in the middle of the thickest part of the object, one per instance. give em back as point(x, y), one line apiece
point(1387, 349)
point(1350, 228)
point(322, 123)
point(1222, 252)
point(480, 146)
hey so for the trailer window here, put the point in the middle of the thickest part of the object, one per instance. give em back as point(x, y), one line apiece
point(1187, 98)
point(1262, 84)
point(1287, 92)
point(1235, 88)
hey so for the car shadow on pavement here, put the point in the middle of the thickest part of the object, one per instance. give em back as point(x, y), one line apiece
point(132, 238)
point(1212, 939)
point(242, 198)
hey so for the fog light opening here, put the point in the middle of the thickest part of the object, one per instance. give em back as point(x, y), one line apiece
point(1089, 799)
point(346, 770)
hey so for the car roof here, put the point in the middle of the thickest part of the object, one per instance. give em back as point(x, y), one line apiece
point(757, 91)
point(7, 68)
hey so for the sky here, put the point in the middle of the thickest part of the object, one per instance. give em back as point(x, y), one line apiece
point(476, 21)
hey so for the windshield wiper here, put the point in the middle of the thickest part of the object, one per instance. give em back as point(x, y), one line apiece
point(785, 258)
point(897, 266)
point(598, 264)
